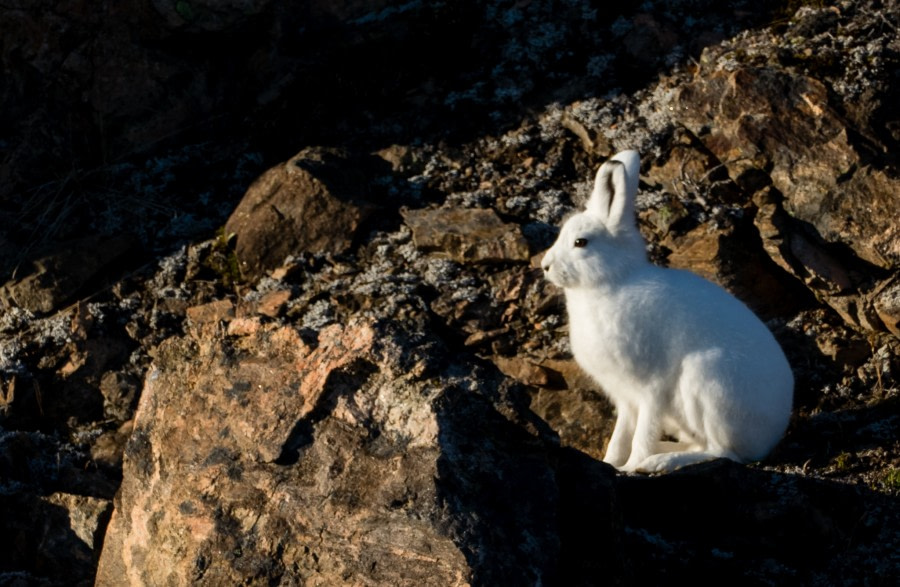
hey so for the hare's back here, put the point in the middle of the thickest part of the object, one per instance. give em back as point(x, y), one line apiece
point(695, 314)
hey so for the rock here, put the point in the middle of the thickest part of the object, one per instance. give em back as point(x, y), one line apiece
point(244, 512)
point(472, 314)
point(54, 514)
point(732, 257)
point(402, 159)
point(55, 277)
point(298, 206)
point(797, 249)
point(272, 304)
point(467, 235)
point(575, 377)
point(855, 310)
point(40, 535)
point(211, 313)
point(109, 448)
point(844, 350)
point(120, 392)
point(887, 305)
point(583, 417)
point(483, 337)
point(523, 370)
point(822, 210)
point(244, 326)
point(831, 276)
point(765, 118)
point(267, 457)
point(87, 516)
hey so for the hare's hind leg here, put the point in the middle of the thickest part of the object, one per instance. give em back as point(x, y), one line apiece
point(670, 461)
point(676, 446)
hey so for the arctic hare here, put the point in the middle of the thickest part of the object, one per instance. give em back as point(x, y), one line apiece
point(677, 355)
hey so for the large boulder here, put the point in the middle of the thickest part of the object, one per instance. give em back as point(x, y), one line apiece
point(268, 455)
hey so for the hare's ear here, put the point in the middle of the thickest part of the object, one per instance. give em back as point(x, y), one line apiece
point(615, 188)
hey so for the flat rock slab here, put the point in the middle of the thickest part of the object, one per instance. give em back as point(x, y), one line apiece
point(467, 235)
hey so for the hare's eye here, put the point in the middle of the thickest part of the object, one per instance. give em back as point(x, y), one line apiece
point(580, 243)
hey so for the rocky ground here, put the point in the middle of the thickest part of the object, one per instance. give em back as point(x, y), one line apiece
point(271, 311)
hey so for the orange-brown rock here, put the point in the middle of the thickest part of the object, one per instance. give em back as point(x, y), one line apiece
point(768, 124)
point(210, 492)
point(264, 455)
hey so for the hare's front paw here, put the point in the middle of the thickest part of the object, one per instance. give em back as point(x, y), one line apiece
point(633, 464)
point(616, 456)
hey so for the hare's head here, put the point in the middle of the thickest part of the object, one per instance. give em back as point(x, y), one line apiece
point(597, 246)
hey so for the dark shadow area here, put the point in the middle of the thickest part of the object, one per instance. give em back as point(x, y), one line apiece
point(528, 511)
point(750, 527)
point(37, 462)
point(494, 479)
point(152, 123)
point(39, 482)
point(524, 510)
point(39, 547)
point(590, 523)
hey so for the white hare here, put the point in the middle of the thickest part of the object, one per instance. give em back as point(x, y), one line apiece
point(677, 355)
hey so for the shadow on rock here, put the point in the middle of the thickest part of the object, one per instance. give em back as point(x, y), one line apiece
point(757, 527)
point(524, 511)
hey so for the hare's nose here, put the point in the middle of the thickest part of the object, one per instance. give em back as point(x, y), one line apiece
point(546, 261)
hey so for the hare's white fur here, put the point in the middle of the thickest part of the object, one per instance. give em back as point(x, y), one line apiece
point(677, 355)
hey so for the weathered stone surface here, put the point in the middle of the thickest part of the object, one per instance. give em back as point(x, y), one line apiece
point(298, 206)
point(87, 516)
point(272, 304)
point(211, 494)
point(574, 376)
point(582, 415)
point(798, 249)
point(464, 235)
point(211, 313)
